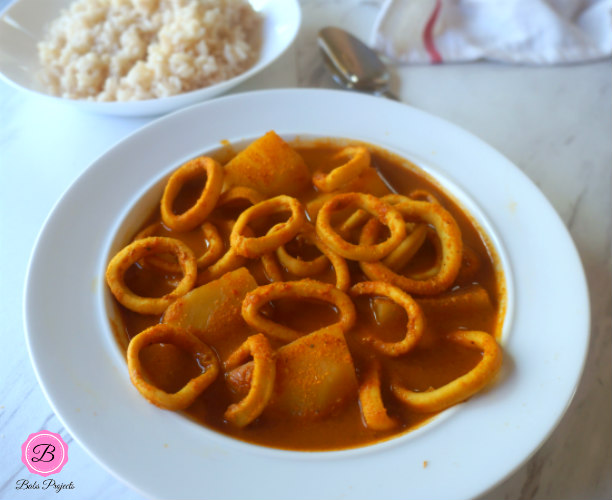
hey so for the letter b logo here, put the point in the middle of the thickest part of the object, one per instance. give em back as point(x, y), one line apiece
point(47, 449)
point(44, 453)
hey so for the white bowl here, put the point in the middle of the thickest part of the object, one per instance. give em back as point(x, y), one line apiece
point(23, 25)
point(468, 449)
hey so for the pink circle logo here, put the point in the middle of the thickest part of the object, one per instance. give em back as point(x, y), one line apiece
point(44, 453)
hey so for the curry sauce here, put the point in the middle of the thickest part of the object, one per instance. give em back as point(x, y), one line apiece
point(434, 362)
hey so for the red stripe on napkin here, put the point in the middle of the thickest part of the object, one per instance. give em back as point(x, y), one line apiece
point(428, 41)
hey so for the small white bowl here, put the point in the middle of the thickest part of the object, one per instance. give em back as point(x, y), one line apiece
point(23, 25)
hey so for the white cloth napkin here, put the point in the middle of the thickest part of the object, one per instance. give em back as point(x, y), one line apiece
point(511, 31)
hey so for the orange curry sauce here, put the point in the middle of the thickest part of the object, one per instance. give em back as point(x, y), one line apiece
point(432, 363)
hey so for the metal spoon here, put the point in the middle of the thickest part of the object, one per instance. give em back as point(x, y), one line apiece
point(353, 64)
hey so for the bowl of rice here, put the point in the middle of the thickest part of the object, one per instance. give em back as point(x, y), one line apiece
point(141, 57)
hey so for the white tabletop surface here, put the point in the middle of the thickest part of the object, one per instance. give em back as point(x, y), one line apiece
point(554, 123)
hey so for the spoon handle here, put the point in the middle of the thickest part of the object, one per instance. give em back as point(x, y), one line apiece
point(389, 95)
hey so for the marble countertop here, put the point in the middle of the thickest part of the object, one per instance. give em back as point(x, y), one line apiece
point(554, 123)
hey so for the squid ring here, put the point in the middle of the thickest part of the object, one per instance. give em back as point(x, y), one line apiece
point(240, 193)
point(228, 262)
point(168, 334)
point(371, 403)
point(278, 235)
point(304, 269)
point(360, 216)
point(231, 260)
point(306, 288)
point(395, 199)
point(262, 382)
point(343, 275)
point(423, 195)
point(140, 249)
point(314, 205)
point(434, 268)
point(205, 204)
point(383, 212)
point(358, 161)
point(450, 239)
point(401, 255)
point(470, 264)
point(460, 389)
point(271, 267)
point(416, 320)
point(210, 255)
point(468, 300)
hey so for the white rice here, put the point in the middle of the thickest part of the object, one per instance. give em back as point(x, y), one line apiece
point(122, 50)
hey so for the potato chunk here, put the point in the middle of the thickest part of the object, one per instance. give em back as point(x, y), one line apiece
point(368, 182)
point(213, 310)
point(270, 166)
point(314, 375)
point(386, 312)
